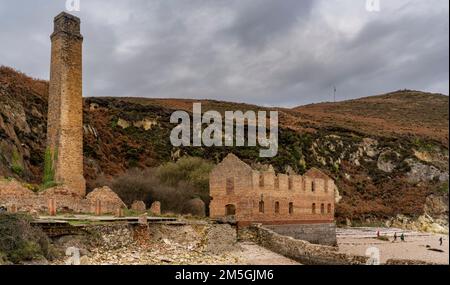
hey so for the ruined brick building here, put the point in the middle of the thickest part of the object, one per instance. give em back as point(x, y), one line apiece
point(298, 205)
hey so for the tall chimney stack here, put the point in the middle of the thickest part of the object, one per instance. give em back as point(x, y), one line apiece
point(65, 106)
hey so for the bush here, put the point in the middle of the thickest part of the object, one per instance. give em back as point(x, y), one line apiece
point(19, 241)
point(16, 167)
point(173, 184)
point(443, 188)
point(191, 171)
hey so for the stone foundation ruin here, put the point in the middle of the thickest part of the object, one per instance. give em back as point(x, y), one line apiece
point(17, 198)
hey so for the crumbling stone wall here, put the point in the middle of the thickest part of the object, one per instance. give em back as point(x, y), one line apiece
point(265, 197)
point(299, 250)
point(109, 201)
point(65, 114)
point(138, 206)
point(314, 233)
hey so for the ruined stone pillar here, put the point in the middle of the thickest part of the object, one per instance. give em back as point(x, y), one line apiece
point(52, 207)
point(98, 207)
point(65, 106)
point(13, 209)
point(155, 209)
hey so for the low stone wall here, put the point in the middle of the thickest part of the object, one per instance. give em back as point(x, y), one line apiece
point(299, 250)
point(324, 234)
point(407, 262)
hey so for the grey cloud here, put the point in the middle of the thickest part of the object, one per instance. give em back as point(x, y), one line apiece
point(268, 52)
point(260, 21)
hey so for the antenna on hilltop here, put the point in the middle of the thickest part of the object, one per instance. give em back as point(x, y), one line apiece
point(334, 94)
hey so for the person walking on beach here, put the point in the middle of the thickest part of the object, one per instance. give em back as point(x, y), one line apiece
point(402, 237)
point(395, 236)
point(441, 241)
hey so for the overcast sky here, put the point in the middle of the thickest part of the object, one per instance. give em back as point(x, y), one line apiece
point(267, 52)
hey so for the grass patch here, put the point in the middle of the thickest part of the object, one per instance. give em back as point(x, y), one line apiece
point(48, 180)
point(85, 223)
point(131, 213)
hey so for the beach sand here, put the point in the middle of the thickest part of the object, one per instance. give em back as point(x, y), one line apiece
point(358, 240)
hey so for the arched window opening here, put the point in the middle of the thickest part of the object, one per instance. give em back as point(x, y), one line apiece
point(314, 208)
point(329, 209)
point(277, 207)
point(230, 185)
point(261, 206)
point(230, 210)
point(291, 208)
point(322, 209)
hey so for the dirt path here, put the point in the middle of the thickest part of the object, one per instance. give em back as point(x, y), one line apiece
point(358, 240)
point(253, 254)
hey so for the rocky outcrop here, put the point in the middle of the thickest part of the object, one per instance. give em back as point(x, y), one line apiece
point(424, 223)
point(386, 161)
point(146, 124)
point(23, 109)
point(421, 172)
point(436, 206)
point(434, 220)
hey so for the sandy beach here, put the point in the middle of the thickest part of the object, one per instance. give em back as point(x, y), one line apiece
point(417, 246)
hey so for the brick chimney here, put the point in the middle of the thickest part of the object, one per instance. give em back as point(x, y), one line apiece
point(65, 105)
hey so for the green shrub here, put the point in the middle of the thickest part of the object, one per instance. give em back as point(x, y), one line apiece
point(16, 167)
point(193, 172)
point(20, 241)
point(49, 172)
point(443, 188)
point(3, 259)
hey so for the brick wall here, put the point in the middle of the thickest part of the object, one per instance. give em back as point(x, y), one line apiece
point(270, 198)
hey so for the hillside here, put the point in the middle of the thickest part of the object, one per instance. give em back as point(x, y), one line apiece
point(395, 114)
point(387, 153)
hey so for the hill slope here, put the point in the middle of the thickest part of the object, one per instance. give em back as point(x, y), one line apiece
point(387, 153)
point(395, 114)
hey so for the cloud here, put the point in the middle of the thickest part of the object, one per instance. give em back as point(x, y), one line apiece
point(268, 52)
